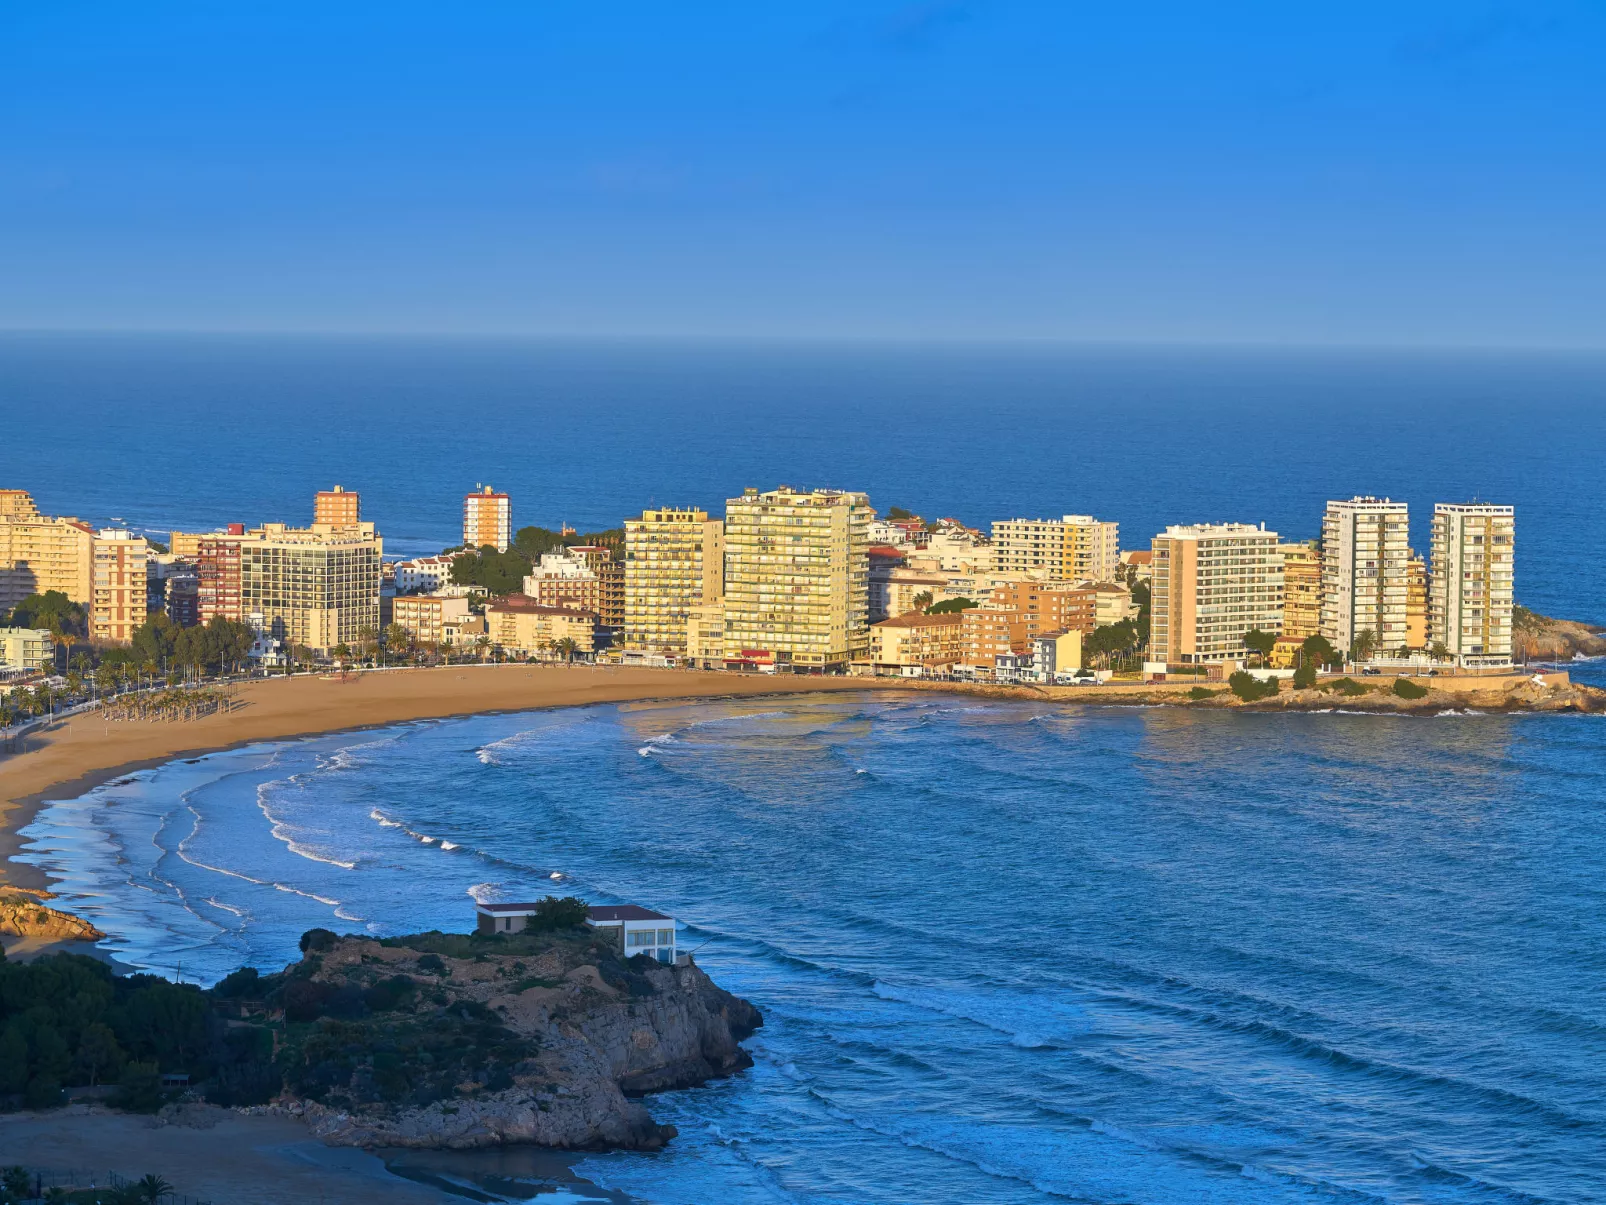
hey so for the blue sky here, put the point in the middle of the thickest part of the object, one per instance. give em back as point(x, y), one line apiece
point(1401, 173)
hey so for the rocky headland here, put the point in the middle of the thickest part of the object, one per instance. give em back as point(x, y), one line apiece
point(1540, 638)
point(24, 913)
point(442, 1040)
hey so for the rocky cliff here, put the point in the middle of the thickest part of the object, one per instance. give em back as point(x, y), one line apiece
point(446, 1041)
point(24, 913)
point(1538, 637)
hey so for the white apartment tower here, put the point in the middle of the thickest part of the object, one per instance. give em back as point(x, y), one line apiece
point(1470, 589)
point(1366, 561)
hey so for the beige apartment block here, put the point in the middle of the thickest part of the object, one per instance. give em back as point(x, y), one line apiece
point(426, 617)
point(797, 578)
point(1302, 589)
point(705, 635)
point(40, 553)
point(338, 507)
point(915, 645)
point(117, 608)
point(317, 587)
point(600, 560)
point(674, 561)
point(896, 592)
point(487, 519)
point(519, 625)
point(1470, 589)
point(1211, 583)
point(1365, 559)
point(1076, 548)
point(1111, 604)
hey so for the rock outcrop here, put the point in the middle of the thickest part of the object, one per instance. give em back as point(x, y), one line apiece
point(24, 913)
point(1537, 637)
point(460, 1042)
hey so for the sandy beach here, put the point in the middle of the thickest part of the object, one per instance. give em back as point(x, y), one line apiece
point(86, 750)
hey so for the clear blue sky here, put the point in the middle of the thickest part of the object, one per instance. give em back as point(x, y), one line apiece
point(1288, 172)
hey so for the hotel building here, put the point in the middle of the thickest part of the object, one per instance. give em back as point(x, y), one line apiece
point(1302, 589)
point(1211, 583)
point(915, 645)
point(426, 617)
point(121, 589)
point(1470, 590)
point(674, 561)
point(487, 519)
point(797, 578)
point(1365, 563)
point(1076, 548)
point(520, 625)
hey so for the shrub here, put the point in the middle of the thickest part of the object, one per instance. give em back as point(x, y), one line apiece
point(1349, 687)
point(304, 999)
point(140, 1088)
point(243, 982)
point(1305, 676)
point(1201, 692)
point(1408, 689)
point(388, 993)
point(433, 964)
point(44, 1092)
point(569, 912)
point(1250, 688)
point(318, 939)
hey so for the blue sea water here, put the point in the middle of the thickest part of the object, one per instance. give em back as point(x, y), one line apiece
point(1007, 952)
point(194, 432)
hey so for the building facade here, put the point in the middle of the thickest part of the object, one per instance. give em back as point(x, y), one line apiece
point(797, 578)
point(674, 561)
point(519, 625)
point(1365, 563)
point(1470, 589)
point(121, 587)
point(1210, 584)
point(40, 553)
point(26, 648)
point(426, 617)
point(916, 645)
point(1416, 603)
point(1302, 589)
point(487, 519)
point(1075, 548)
point(705, 635)
point(338, 507)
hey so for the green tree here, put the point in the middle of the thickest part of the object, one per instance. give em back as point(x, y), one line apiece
point(398, 640)
point(152, 1188)
point(897, 514)
point(98, 1051)
point(1305, 675)
point(13, 1060)
point(1408, 689)
point(1249, 688)
point(1440, 651)
point(566, 648)
point(950, 606)
point(922, 601)
point(1260, 642)
point(1364, 646)
point(1320, 651)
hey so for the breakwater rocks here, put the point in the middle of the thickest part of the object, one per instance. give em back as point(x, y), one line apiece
point(444, 1041)
point(24, 913)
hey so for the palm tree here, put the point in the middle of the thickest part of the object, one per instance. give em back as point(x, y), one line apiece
point(152, 1188)
point(1365, 644)
point(922, 600)
point(566, 648)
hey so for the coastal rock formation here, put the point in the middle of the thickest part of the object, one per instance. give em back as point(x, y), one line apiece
point(457, 1042)
point(1537, 637)
point(23, 913)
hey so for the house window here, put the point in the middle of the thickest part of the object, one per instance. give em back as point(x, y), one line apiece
point(666, 937)
point(639, 937)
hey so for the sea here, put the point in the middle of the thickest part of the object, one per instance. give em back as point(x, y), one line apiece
point(1005, 951)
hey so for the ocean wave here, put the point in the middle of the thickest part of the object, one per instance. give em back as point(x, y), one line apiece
point(1028, 1021)
point(282, 832)
point(655, 743)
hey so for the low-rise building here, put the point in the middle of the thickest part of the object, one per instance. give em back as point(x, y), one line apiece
point(519, 625)
point(1056, 655)
point(425, 617)
point(705, 635)
point(26, 648)
point(916, 645)
point(425, 574)
point(635, 930)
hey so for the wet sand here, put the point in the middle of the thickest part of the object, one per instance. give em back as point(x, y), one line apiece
point(82, 752)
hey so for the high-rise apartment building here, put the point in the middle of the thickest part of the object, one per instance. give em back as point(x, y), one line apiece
point(1366, 556)
point(40, 553)
point(1302, 589)
point(1416, 603)
point(674, 561)
point(1076, 548)
point(600, 559)
point(338, 507)
point(118, 605)
point(487, 519)
point(1470, 589)
point(797, 578)
point(1211, 583)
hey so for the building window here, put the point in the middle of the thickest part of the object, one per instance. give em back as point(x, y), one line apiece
point(640, 937)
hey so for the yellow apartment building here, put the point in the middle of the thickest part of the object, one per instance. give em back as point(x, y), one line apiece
point(425, 617)
point(705, 635)
point(1211, 583)
point(1302, 589)
point(317, 586)
point(40, 553)
point(674, 561)
point(797, 578)
point(1075, 548)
